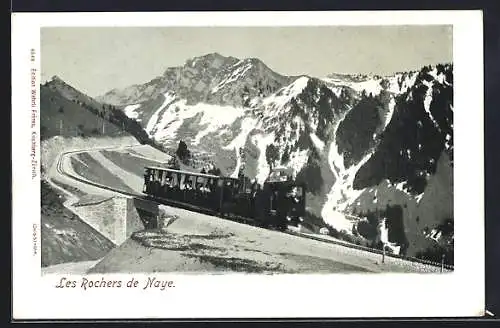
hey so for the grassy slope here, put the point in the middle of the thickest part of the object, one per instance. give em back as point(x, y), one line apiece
point(94, 171)
point(54, 108)
point(130, 163)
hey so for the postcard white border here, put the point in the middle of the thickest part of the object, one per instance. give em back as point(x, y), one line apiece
point(460, 293)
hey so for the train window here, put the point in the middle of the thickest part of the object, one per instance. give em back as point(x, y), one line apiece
point(175, 180)
point(188, 181)
point(211, 184)
point(182, 179)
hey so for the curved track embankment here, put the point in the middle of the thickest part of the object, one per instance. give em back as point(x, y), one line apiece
point(366, 259)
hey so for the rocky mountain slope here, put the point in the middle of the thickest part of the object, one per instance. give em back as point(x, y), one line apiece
point(367, 146)
point(209, 79)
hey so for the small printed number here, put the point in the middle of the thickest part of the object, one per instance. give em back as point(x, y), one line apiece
point(35, 238)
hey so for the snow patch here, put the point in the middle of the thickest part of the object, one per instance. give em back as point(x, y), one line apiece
point(400, 186)
point(282, 97)
point(342, 191)
point(369, 85)
point(235, 75)
point(427, 102)
point(261, 142)
point(318, 143)
point(213, 117)
point(336, 91)
point(388, 116)
point(447, 143)
point(247, 125)
point(130, 111)
point(150, 127)
point(298, 160)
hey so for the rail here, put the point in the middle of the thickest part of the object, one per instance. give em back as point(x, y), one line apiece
point(245, 220)
point(373, 250)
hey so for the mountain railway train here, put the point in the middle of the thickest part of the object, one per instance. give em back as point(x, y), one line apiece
point(279, 202)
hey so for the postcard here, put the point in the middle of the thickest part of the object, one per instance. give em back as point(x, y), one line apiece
point(247, 165)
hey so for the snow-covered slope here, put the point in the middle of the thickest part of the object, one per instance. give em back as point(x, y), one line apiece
point(397, 83)
point(364, 145)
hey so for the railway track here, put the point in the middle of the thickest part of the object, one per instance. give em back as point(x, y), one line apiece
point(320, 238)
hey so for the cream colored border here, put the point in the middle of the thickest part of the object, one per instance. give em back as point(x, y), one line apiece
point(365, 295)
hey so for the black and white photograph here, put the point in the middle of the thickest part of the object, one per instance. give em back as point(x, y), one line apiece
point(255, 150)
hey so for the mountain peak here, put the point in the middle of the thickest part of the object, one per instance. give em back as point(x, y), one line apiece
point(214, 59)
point(56, 78)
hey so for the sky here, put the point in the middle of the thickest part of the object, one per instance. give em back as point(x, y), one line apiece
point(98, 59)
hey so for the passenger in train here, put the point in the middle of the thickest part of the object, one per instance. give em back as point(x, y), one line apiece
point(255, 189)
point(204, 188)
point(293, 199)
point(293, 195)
point(213, 198)
point(147, 176)
point(176, 190)
point(156, 183)
point(150, 180)
point(261, 205)
point(167, 188)
point(198, 195)
point(187, 189)
point(212, 185)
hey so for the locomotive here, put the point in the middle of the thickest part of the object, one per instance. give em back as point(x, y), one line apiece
point(277, 203)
